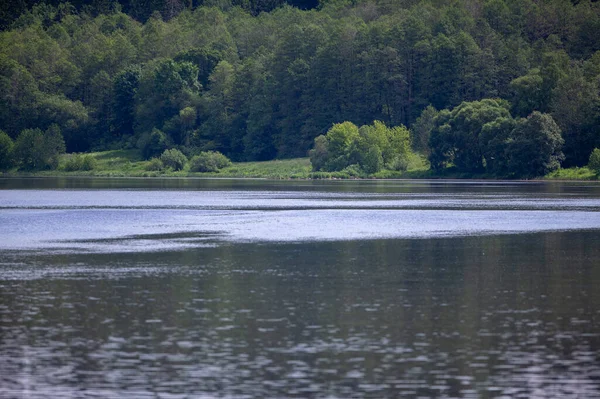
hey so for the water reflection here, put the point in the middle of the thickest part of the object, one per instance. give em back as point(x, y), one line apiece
point(484, 317)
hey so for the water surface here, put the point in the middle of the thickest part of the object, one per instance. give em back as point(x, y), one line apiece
point(253, 289)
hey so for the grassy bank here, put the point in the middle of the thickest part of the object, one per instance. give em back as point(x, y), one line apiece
point(128, 163)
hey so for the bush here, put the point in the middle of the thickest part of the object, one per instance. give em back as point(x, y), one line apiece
point(80, 162)
point(6, 151)
point(594, 162)
point(155, 165)
point(209, 161)
point(399, 163)
point(353, 171)
point(173, 159)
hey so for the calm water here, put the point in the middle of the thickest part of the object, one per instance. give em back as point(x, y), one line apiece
point(181, 288)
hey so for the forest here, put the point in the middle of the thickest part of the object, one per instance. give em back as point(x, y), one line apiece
point(507, 87)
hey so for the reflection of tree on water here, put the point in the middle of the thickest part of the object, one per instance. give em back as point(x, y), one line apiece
point(448, 316)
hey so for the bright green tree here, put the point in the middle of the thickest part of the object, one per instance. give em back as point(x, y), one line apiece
point(594, 161)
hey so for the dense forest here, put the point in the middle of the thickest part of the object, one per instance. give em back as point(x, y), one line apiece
point(479, 84)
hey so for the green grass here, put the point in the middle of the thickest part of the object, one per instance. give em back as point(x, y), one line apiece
point(575, 173)
point(128, 163)
point(116, 163)
point(298, 168)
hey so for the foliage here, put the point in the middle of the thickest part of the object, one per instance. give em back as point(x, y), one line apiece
point(6, 151)
point(594, 161)
point(153, 144)
point(535, 146)
point(575, 105)
point(258, 82)
point(455, 138)
point(173, 159)
point(421, 130)
point(482, 136)
point(370, 148)
point(80, 162)
point(574, 173)
point(155, 165)
point(37, 150)
point(209, 161)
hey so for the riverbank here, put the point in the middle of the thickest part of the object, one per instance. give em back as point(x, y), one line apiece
point(128, 163)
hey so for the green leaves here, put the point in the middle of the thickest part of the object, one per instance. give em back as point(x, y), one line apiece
point(37, 150)
point(594, 161)
point(455, 136)
point(6, 151)
point(483, 136)
point(371, 148)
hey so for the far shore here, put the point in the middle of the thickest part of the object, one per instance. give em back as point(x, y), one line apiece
point(127, 163)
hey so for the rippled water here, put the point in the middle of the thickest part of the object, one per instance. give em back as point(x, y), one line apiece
point(253, 289)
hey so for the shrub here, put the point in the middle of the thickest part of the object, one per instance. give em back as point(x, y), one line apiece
point(6, 151)
point(353, 170)
point(173, 159)
point(155, 165)
point(594, 162)
point(80, 162)
point(399, 163)
point(209, 161)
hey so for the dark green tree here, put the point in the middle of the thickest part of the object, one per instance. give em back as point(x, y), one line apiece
point(575, 108)
point(455, 138)
point(6, 151)
point(535, 146)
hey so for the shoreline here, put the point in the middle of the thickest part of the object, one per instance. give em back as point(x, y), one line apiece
point(128, 164)
point(217, 176)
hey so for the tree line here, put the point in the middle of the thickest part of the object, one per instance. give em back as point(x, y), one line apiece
point(260, 80)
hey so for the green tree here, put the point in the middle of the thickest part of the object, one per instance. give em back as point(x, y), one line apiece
point(594, 161)
point(125, 87)
point(535, 146)
point(153, 144)
point(421, 130)
point(6, 151)
point(493, 140)
point(319, 154)
point(372, 147)
point(341, 140)
point(455, 138)
point(166, 87)
point(215, 131)
point(576, 109)
point(36, 149)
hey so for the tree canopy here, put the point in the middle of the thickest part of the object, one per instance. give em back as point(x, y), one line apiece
point(261, 80)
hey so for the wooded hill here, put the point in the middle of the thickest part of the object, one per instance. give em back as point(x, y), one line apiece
point(255, 85)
